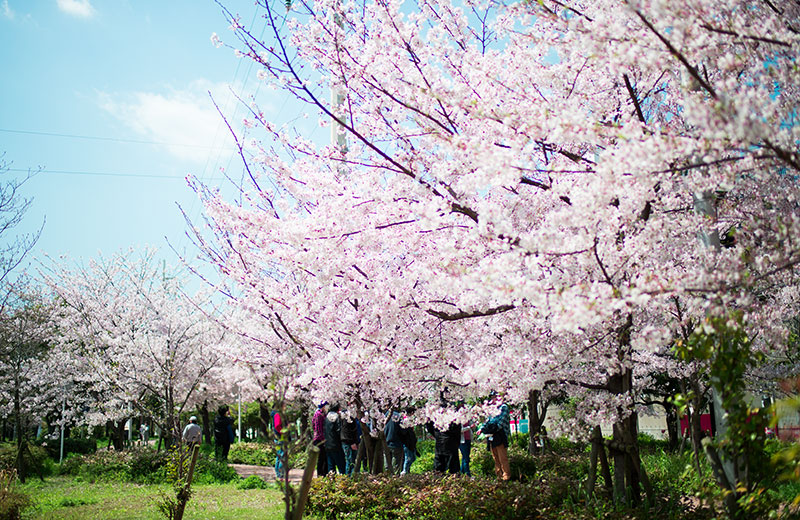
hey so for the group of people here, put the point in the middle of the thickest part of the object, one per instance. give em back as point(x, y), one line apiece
point(223, 432)
point(338, 435)
point(457, 440)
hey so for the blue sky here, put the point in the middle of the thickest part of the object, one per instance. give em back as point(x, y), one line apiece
point(115, 92)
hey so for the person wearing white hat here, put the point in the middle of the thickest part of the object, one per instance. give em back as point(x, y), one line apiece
point(192, 434)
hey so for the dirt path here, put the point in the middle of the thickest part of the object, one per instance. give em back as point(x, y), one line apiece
point(266, 472)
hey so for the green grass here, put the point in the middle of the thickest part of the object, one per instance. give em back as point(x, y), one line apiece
point(66, 498)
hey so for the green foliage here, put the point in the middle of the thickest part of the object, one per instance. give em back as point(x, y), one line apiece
point(522, 465)
point(421, 497)
point(210, 471)
point(71, 445)
point(73, 502)
point(12, 501)
point(254, 453)
point(141, 465)
point(648, 443)
point(263, 454)
point(177, 467)
point(252, 482)
point(35, 459)
point(146, 466)
point(722, 345)
point(424, 462)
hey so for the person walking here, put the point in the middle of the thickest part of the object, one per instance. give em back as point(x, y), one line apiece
point(192, 433)
point(223, 433)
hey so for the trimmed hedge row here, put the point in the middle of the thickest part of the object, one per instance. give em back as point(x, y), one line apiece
point(424, 497)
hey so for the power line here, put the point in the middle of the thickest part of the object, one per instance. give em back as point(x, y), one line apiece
point(107, 174)
point(113, 139)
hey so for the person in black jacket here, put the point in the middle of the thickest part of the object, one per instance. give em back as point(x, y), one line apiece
point(394, 453)
point(351, 436)
point(223, 433)
point(445, 451)
point(409, 440)
point(333, 440)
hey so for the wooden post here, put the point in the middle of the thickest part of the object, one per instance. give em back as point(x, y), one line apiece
point(305, 484)
point(183, 494)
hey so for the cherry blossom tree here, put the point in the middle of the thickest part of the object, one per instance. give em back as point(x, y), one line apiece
point(13, 207)
point(30, 369)
point(518, 195)
point(148, 346)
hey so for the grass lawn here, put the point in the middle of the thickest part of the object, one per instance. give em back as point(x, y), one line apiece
point(68, 498)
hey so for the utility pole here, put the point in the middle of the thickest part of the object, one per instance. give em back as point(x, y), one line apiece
point(63, 409)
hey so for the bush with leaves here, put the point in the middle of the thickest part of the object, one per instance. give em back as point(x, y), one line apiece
point(71, 445)
point(423, 497)
point(210, 471)
point(254, 453)
point(263, 454)
point(523, 466)
point(252, 482)
point(12, 501)
point(36, 460)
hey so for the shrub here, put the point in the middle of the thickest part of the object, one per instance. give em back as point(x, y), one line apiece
point(253, 482)
point(254, 453)
point(424, 463)
point(209, 471)
point(519, 441)
point(648, 443)
point(522, 465)
point(424, 497)
point(35, 457)
point(12, 501)
point(147, 466)
point(71, 445)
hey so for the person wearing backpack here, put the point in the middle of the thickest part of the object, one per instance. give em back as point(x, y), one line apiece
point(223, 433)
point(497, 431)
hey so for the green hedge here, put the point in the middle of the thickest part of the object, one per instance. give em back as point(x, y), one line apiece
point(71, 445)
point(140, 465)
point(422, 497)
point(263, 454)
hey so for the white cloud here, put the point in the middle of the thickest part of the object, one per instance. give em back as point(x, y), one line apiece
point(185, 121)
point(6, 10)
point(79, 8)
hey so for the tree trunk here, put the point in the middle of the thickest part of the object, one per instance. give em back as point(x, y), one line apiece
point(362, 450)
point(378, 454)
point(673, 425)
point(537, 412)
point(205, 417)
point(265, 419)
point(629, 475)
point(369, 446)
point(117, 436)
point(20, 459)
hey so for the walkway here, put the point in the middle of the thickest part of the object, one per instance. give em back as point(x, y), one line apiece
point(266, 472)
